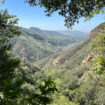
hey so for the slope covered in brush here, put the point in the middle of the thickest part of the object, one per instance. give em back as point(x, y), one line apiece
point(36, 44)
point(77, 82)
point(71, 57)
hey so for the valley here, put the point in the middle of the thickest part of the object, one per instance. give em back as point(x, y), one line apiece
point(52, 52)
point(35, 44)
point(70, 71)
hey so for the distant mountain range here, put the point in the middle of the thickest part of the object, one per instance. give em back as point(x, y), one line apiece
point(71, 57)
point(35, 44)
point(75, 34)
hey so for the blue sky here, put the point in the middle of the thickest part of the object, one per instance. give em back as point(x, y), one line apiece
point(35, 16)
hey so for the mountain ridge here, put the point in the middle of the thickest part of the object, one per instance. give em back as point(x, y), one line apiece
point(35, 44)
point(72, 56)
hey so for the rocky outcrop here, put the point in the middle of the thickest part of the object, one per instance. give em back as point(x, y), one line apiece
point(87, 60)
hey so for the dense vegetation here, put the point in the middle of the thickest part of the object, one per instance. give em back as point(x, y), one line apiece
point(9, 84)
point(35, 44)
point(73, 80)
point(14, 75)
point(74, 84)
point(79, 82)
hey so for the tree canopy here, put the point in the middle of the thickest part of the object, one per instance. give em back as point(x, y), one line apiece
point(71, 10)
point(9, 85)
point(12, 76)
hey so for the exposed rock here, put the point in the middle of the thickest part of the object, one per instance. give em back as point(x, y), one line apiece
point(87, 60)
point(56, 61)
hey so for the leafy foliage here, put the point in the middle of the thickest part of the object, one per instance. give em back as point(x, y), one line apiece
point(98, 48)
point(9, 85)
point(74, 90)
point(78, 84)
point(43, 93)
point(14, 74)
point(71, 10)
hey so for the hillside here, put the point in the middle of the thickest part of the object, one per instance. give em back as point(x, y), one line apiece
point(35, 44)
point(71, 71)
point(73, 56)
point(75, 34)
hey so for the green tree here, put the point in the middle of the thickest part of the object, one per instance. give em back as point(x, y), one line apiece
point(43, 92)
point(71, 10)
point(9, 84)
point(98, 53)
point(11, 72)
